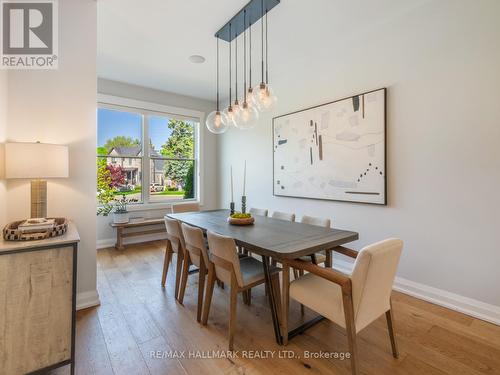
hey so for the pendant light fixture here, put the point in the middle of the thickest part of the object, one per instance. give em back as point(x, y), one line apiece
point(259, 94)
point(250, 93)
point(236, 105)
point(244, 112)
point(217, 121)
point(229, 111)
point(269, 99)
point(249, 114)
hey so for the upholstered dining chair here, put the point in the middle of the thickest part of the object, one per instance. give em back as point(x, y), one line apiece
point(197, 254)
point(185, 207)
point(175, 244)
point(351, 301)
point(241, 274)
point(320, 257)
point(259, 211)
point(283, 216)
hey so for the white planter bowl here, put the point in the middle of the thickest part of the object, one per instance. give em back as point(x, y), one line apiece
point(121, 218)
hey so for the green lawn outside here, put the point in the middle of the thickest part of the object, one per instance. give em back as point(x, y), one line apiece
point(166, 192)
point(135, 191)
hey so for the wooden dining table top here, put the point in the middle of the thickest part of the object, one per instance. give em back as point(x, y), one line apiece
point(268, 236)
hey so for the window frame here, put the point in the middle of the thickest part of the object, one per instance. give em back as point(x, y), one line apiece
point(146, 109)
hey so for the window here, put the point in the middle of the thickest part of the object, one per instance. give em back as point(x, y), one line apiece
point(162, 169)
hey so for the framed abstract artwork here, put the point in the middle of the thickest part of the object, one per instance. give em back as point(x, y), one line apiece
point(334, 151)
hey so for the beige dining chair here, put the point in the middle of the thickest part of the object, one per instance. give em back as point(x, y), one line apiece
point(175, 244)
point(259, 211)
point(197, 254)
point(351, 301)
point(283, 216)
point(241, 274)
point(323, 256)
point(185, 207)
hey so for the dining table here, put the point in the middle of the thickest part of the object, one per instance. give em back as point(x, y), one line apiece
point(272, 239)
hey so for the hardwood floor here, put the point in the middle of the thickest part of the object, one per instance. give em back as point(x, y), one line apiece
point(137, 318)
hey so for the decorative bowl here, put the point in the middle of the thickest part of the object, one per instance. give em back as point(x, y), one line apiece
point(240, 221)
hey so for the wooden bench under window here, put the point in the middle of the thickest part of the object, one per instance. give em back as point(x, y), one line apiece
point(123, 232)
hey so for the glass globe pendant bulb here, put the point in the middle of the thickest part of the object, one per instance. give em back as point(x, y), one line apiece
point(250, 99)
point(248, 117)
point(231, 117)
point(259, 95)
point(268, 98)
point(236, 108)
point(217, 122)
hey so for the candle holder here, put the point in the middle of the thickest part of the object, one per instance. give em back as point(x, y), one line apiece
point(244, 204)
point(231, 206)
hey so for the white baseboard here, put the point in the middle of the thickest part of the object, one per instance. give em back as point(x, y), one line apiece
point(104, 243)
point(87, 299)
point(456, 302)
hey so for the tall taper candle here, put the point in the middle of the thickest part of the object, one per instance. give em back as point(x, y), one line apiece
point(244, 177)
point(232, 196)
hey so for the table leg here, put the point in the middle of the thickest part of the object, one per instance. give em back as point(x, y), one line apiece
point(273, 300)
point(328, 262)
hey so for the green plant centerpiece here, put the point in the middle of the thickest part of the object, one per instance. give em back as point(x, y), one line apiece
point(239, 218)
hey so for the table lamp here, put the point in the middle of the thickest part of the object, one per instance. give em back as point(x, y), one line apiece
point(36, 161)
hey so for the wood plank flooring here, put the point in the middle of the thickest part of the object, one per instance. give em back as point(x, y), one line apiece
point(137, 318)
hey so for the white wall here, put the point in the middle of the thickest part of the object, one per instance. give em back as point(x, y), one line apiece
point(60, 107)
point(3, 136)
point(105, 234)
point(440, 62)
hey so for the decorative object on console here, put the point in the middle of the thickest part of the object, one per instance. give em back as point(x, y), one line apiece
point(24, 231)
point(244, 116)
point(36, 161)
point(334, 151)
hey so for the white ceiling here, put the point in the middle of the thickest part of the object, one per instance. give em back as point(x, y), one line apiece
point(148, 42)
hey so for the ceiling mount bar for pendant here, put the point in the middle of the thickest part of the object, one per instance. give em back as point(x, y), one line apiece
point(254, 12)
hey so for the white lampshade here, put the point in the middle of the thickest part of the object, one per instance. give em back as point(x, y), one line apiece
point(36, 160)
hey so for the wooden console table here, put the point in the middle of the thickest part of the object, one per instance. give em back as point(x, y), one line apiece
point(38, 303)
point(121, 233)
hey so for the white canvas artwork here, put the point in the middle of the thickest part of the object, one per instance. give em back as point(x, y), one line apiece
point(334, 151)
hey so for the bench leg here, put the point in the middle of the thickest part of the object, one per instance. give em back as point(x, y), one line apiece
point(119, 239)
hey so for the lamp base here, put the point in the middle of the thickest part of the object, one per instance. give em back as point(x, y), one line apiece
point(38, 198)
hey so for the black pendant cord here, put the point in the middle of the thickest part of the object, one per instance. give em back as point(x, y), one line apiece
point(262, 38)
point(230, 62)
point(217, 74)
point(267, 54)
point(250, 50)
point(245, 56)
point(236, 67)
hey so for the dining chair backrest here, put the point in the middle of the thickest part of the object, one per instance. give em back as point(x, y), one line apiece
point(174, 234)
point(185, 207)
point(319, 221)
point(225, 257)
point(195, 244)
point(258, 211)
point(372, 279)
point(283, 216)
